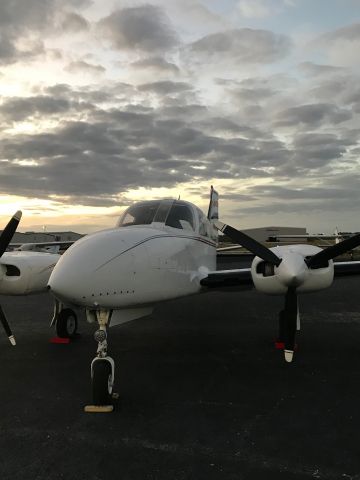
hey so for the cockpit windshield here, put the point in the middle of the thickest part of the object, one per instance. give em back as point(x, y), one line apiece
point(180, 216)
point(140, 214)
point(173, 213)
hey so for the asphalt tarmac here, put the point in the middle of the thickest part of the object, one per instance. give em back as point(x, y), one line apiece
point(203, 393)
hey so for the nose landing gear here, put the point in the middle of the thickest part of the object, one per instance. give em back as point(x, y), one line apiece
point(102, 369)
point(102, 379)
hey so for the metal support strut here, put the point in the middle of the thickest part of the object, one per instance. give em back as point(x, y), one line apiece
point(100, 335)
point(58, 306)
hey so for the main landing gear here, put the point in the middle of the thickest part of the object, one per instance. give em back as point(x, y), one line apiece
point(102, 368)
point(65, 321)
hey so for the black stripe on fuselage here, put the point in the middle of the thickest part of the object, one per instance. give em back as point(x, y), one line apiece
point(197, 239)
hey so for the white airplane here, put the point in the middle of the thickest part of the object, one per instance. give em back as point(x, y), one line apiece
point(26, 272)
point(45, 247)
point(162, 250)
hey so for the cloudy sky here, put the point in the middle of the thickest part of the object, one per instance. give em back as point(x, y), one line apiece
point(105, 102)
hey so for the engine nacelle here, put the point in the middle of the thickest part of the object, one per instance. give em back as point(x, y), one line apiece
point(22, 273)
point(292, 271)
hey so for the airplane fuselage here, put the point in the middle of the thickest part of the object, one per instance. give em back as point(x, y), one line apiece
point(137, 265)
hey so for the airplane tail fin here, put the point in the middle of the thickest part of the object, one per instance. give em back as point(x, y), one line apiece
point(213, 212)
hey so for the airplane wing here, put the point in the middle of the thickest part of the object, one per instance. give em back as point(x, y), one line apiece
point(242, 276)
point(346, 268)
point(228, 249)
point(42, 246)
point(223, 278)
point(308, 235)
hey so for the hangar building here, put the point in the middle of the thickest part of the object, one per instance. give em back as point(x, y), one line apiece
point(264, 234)
point(36, 237)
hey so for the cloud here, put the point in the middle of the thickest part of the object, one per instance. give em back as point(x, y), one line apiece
point(160, 115)
point(256, 99)
point(81, 66)
point(8, 50)
point(194, 18)
point(261, 8)
point(145, 28)
point(112, 92)
point(251, 95)
point(305, 193)
point(23, 25)
point(340, 45)
point(165, 87)
point(73, 22)
point(117, 149)
point(315, 150)
point(184, 111)
point(157, 64)
point(254, 8)
point(201, 14)
point(349, 33)
point(313, 69)
point(243, 45)
point(334, 199)
point(312, 115)
point(16, 108)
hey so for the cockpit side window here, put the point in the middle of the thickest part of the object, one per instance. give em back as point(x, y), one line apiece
point(180, 216)
point(203, 224)
point(139, 214)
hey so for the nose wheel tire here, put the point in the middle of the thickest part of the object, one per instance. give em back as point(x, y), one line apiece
point(101, 382)
point(66, 323)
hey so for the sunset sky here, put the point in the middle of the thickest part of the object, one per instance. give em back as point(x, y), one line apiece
point(107, 102)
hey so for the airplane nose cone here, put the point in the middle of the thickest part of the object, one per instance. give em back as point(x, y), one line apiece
point(292, 270)
point(83, 275)
point(64, 286)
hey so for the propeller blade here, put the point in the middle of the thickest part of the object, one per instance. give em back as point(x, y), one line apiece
point(290, 315)
point(8, 232)
point(253, 245)
point(6, 326)
point(334, 251)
